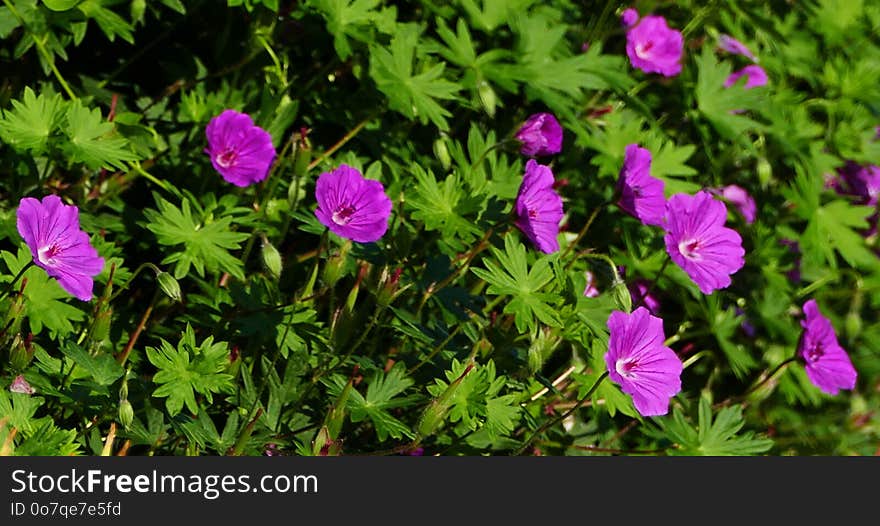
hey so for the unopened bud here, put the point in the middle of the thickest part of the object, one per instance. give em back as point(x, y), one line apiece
point(487, 97)
point(126, 413)
point(169, 286)
point(441, 152)
point(853, 325)
point(335, 265)
point(271, 259)
point(21, 353)
point(434, 415)
point(765, 171)
point(622, 296)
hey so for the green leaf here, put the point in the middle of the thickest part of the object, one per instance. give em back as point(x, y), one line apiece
point(832, 227)
point(110, 23)
point(103, 369)
point(42, 306)
point(61, 5)
point(32, 120)
point(94, 141)
point(514, 278)
point(354, 19)
point(206, 242)
point(723, 107)
point(443, 206)
point(720, 436)
point(414, 95)
point(382, 394)
point(188, 369)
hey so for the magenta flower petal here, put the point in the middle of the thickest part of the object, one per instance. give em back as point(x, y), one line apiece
point(698, 242)
point(755, 76)
point(590, 289)
point(240, 151)
point(51, 231)
point(638, 361)
point(629, 17)
point(827, 364)
point(539, 207)
point(740, 198)
point(641, 195)
point(653, 47)
point(541, 134)
point(732, 45)
point(351, 206)
point(640, 294)
point(20, 385)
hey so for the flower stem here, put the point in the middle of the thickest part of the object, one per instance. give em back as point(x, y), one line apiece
point(563, 416)
point(583, 232)
point(341, 142)
point(21, 272)
point(758, 385)
point(120, 359)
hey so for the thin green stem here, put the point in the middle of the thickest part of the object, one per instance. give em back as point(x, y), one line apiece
point(41, 47)
point(18, 276)
point(341, 142)
point(653, 284)
point(582, 233)
point(563, 416)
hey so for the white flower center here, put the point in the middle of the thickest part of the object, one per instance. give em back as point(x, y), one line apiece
point(342, 215)
point(643, 49)
point(689, 248)
point(47, 254)
point(626, 367)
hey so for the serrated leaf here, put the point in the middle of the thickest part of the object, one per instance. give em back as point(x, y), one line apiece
point(32, 120)
point(414, 95)
point(206, 242)
point(94, 141)
point(724, 107)
point(189, 368)
point(382, 394)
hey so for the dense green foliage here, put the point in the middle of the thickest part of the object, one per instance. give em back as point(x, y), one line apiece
point(452, 333)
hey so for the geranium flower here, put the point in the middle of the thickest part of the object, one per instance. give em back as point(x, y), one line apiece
point(732, 45)
point(638, 361)
point(827, 364)
point(641, 195)
point(351, 206)
point(240, 150)
point(653, 47)
point(740, 198)
point(541, 134)
point(58, 246)
point(539, 207)
point(755, 76)
point(698, 242)
point(862, 181)
point(20, 385)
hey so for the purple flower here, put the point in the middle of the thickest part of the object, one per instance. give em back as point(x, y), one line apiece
point(590, 290)
point(539, 207)
point(827, 364)
point(20, 385)
point(241, 151)
point(58, 246)
point(698, 242)
point(629, 17)
point(755, 76)
point(747, 327)
point(639, 291)
point(638, 361)
point(740, 198)
point(732, 45)
point(351, 206)
point(641, 195)
point(541, 134)
point(655, 48)
point(860, 181)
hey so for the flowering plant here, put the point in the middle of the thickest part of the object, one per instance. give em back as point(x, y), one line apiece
point(353, 228)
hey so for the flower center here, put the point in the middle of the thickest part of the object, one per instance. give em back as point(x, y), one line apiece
point(643, 49)
point(227, 158)
point(626, 367)
point(689, 248)
point(814, 353)
point(342, 215)
point(533, 213)
point(47, 254)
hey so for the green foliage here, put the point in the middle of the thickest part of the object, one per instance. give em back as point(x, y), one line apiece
point(188, 369)
point(206, 240)
point(511, 276)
